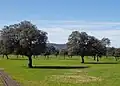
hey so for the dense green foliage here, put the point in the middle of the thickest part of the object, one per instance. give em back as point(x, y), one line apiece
point(23, 38)
point(85, 45)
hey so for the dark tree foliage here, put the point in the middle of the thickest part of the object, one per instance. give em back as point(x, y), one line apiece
point(117, 53)
point(23, 38)
point(56, 52)
point(111, 51)
point(63, 52)
point(47, 52)
point(50, 50)
point(83, 44)
point(107, 43)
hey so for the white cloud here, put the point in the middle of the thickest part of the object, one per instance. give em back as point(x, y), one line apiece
point(58, 31)
point(57, 35)
point(113, 35)
point(60, 35)
point(76, 24)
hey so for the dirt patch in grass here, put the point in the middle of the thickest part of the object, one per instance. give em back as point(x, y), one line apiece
point(35, 83)
point(77, 71)
point(76, 77)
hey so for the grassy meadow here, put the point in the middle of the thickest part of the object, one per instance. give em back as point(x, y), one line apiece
point(104, 73)
point(1, 84)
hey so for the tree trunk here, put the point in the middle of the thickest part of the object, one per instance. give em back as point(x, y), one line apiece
point(94, 58)
point(106, 56)
point(83, 54)
point(30, 62)
point(64, 56)
point(33, 56)
point(82, 57)
point(116, 58)
point(3, 56)
point(7, 56)
point(47, 57)
point(56, 56)
point(17, 56)
point(97, 58)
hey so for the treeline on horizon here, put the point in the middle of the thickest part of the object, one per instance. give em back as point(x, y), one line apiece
point(26, 39)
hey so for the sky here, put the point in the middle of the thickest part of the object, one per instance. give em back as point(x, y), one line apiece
point(100, 18)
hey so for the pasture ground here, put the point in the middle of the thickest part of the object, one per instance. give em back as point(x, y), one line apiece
point(1, 84)
point(104, 73)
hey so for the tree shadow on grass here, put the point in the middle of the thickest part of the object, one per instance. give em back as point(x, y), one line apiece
point(17, 59)
point(60, 67)
point(102, 63)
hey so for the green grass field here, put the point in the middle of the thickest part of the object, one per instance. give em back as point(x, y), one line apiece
point(1, 82)
point(106, 73)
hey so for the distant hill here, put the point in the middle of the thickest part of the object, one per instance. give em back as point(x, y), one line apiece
point(58, 46)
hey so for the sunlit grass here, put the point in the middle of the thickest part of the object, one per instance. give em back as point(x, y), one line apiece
point(109, 74)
